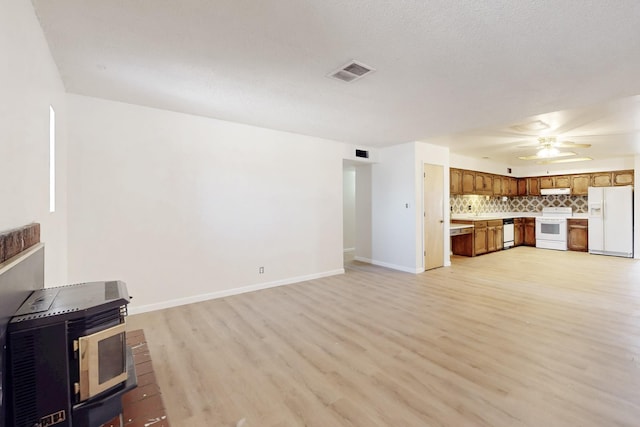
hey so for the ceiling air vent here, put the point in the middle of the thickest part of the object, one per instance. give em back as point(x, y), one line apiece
point(351, 71)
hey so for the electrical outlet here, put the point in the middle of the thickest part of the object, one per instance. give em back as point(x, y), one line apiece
point(261, 270)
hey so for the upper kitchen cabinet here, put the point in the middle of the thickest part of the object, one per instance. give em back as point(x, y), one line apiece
point(562, 181)
point(522, 187)
point(601, 179)
point(468, 182)
point(559, 181)
point(513, 186)
point(498, 188)
point(455, 181)
point(533, 186)
point(546, 182)
point(623, 177)
point(580, 185)
point(484, 184)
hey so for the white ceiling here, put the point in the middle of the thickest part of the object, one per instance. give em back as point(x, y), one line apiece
point(442, 67)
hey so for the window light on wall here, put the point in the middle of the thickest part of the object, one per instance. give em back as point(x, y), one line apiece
point(52, 159)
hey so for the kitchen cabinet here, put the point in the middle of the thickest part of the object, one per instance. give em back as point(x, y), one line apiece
point(580, 184)
point(495, 235)
point(513, 187)
point(578, 234)
point(509, 186)
point(483, 184)
point(623, 177)
point(487, 236)
point(462, 241)
point(530, 231)
point(498, 188)
point(560, 181)
point(522, 186)
point(533, 186)
point(601, 179)
point(518, 231)
point(486, 184)
point(468, 182)
point(455, 181)
point(480, 237)
point(546, 182)
point(499, 237)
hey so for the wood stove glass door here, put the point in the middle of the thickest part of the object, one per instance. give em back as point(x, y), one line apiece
point(102, 361)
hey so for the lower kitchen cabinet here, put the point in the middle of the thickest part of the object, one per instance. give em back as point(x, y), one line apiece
point(578, 235)
point(518, 231)
point(487, 236)
point(530, 231)
point(480, 237)
point(495, 236)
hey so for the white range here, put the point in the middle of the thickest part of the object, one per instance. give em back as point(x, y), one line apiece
point(551, 228)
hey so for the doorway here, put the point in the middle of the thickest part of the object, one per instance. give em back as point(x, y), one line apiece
point(433, 216)
point(356, 214)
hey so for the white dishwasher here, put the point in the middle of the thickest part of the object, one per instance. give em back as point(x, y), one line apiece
point(507, 226)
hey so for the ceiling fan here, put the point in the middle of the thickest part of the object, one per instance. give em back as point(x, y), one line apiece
point(548, 150)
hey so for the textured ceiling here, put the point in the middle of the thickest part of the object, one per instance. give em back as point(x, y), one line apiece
point(443, 66)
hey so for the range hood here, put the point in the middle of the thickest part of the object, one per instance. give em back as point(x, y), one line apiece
point(554, 191)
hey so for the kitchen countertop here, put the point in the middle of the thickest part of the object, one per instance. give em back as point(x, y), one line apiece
point(503, 215)
point(459, 226)
point(494, 215)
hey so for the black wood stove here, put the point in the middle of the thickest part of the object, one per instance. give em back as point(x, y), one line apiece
point(68, 362)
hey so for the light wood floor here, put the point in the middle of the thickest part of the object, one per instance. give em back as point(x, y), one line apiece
point(524, 337)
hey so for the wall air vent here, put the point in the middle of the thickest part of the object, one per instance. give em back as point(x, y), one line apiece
point(351, 71)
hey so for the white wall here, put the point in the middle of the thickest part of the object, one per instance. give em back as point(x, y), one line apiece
point(398, 205)
point(636, 211)
point(482, 165)
point(185, 208)
point(349, 208)
point(434, 155)
point(29, 83)
point(363, 213)
point(394, 205)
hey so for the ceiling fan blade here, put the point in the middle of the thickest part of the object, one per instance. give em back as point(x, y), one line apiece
point(534, 145)
point(567, 160)
point(569, 144)
point(555, 156)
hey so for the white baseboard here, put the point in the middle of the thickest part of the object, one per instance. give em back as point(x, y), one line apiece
point(349, 250)
point(363, 259)
point(398, 267)
point(228, 292)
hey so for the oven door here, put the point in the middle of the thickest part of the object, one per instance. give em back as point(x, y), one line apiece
point(103, 362)
point(554, 229)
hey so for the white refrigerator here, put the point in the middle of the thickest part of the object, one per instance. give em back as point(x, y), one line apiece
point(611, 221)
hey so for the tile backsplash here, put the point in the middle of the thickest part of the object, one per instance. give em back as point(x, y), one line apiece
point(484, 204)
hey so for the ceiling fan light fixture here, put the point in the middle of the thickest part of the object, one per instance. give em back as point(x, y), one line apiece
point(537, 157)
point(548, 152)
point(572, 159)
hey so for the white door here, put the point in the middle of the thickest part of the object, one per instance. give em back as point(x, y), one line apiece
point(433, 216)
